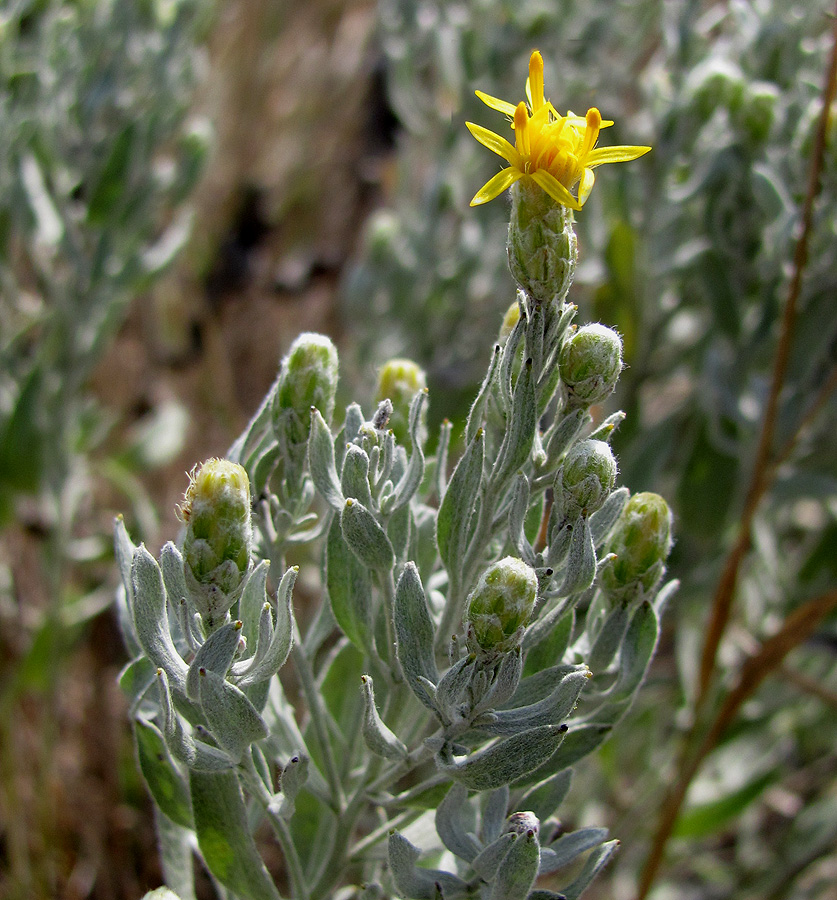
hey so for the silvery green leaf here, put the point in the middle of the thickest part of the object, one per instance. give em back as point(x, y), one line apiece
point(253, 598)
point(167, 786)
point(442, 447)
point(224, 836)
point(354, 421)
point(195, 754)
point(410, 481)
point(243, 446)
point(518, 870)
point(477, 413)
point(232, 718)
point(135, 679)
point(379, 739)
point(488, 861)
point(637, 649)
point(581, 560)
point(549, 711)
point(365, 537)
point(518, 507)
point(603, 520)
point(505, 761)
point(520, 432)
point(541, 894)
point(547, 640)
point(124, 552)
point(545, 798)
point(454, 826)
point(569, 846)
point(398, 530)
point(560, 534)
point(594, 863)
point(176, 846)
point(151, 618)
point(415, 882)
point(171, 564)
point(608, 639)
point(607, 429)
point(494, 810)
point(215, 654)
point(451, 689)
point(354, 479)
point(349, 589)
point(580, 741)
point(265, 666)
point(415, 633)
point(321, 462)
point(506, 680)
point(540, 685)
point(562, 435)
point(666, 592)
point(457, 507)
point(293, 778)
point(372, 891)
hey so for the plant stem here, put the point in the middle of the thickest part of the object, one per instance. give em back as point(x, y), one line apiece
point(761, 477)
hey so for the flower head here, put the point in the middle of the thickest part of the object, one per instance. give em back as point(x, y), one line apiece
point(553, 151)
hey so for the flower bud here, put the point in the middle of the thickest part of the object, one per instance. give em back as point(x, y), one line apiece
point(510, 319)
point(587, 477)
point(500, 606)
point(522, 823)
point(591, 361)
point(399, 381)
point(307, 377)
point(216, 548)
point(542, 244)
point(641, 541)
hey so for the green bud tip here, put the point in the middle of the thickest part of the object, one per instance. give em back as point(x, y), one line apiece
point(399, 381)
point(590, 364)
point(641, 541)
point(307, 380)
point(587, 476)
point(500, 606)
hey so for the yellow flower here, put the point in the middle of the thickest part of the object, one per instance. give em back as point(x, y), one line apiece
point(555, 152)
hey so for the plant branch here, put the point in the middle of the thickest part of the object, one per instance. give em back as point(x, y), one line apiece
point(796, 629)
point(762, 470)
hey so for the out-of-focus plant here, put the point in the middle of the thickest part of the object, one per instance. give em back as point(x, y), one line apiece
point(480, 627)
point(729, 331)
point(97, 160)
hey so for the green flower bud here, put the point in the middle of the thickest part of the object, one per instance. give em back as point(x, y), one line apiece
point(641, 541)
point(591, 361)
point(587, 477)
point(758, 111)
point(500, 606)
point(542, 244)
point(307, 377)
point(399, 381)
point(216, 548)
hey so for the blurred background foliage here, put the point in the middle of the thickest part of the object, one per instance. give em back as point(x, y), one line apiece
point(185, 186)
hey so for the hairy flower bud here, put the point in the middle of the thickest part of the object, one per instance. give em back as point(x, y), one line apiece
point(641, 541)
point(542, 245)
point(590, 361)
point(500, 606)
point(399, 381)
point(587, 477)
point(522, 823)
point(307, 377)
point(216, 548)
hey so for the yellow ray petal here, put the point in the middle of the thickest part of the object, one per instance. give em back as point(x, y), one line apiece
point(554, 188)
point(494, 142)
point(534, 84)
point(602, 155)
point(588, 178)
point(495, 103)
point(496, 185)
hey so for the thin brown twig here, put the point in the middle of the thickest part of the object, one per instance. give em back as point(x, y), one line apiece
point(796, 629)
point(762, 470)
